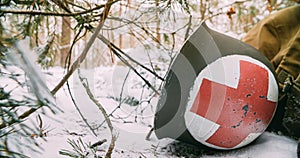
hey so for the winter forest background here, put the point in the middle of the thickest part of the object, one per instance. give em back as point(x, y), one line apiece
point(81, 78)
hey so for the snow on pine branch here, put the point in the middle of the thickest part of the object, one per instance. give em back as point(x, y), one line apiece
point(21, 56)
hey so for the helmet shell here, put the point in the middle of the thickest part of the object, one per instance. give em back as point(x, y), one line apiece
point(219, 92)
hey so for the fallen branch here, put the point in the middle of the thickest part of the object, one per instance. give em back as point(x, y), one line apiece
point(80, 113)
point(90, 94)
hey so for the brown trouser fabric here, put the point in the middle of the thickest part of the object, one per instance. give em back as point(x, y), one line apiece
point(278, 38)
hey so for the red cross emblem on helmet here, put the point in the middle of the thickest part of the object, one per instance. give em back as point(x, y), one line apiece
point(231, 108)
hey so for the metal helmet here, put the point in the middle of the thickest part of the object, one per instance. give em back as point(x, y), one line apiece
point(219, 92)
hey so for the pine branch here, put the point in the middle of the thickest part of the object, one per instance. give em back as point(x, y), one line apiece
point(69, 13)
point(38, 12)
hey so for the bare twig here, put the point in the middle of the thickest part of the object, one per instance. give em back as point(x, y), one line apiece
point(188, 28)
point(77, 37)
point(90, 94)
point(135, 71)
point(78, 110)
point(144, 29)
point(117, 49)
point(121, 95)
point(74, 133)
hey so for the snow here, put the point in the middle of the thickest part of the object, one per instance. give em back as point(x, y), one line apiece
point(134, 125)
point(131, 123)
point(268, 145)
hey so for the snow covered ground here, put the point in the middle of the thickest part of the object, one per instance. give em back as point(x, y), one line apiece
point(131, 122)
point(132, 106)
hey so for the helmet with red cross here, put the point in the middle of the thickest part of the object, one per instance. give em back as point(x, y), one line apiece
point(219, 93)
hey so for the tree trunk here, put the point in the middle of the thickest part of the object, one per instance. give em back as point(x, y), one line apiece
point(120, 36)
point(65, 40)
point(202, 9)
point(157, 24)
